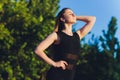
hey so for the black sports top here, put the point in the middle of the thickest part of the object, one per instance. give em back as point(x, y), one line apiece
point(68, 49)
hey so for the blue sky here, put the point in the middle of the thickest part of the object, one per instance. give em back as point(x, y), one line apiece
point(102, 9)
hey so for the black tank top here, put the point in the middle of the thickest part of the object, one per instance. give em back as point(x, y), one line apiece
point(68, 49)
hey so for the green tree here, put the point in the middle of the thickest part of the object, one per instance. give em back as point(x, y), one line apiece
point(23, 24)
point(98, 61)
point(110, 45)
point(109, 41)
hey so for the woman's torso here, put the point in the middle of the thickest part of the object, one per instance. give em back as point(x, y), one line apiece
point(67, 49)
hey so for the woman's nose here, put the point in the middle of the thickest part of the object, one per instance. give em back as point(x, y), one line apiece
point(73, 15)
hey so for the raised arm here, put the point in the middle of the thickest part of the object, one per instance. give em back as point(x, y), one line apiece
point(90, 20)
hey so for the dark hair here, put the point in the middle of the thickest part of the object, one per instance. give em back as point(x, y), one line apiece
point(59, 25)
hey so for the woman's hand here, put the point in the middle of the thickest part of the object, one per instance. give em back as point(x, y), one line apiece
point(61, 64)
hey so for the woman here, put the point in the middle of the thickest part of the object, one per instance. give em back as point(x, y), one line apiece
point(66, 45)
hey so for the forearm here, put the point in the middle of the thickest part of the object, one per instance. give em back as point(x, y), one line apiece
point(45, 58)
point(86, 18)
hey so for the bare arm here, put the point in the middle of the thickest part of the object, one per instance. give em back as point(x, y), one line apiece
point(44, 45)
point(90, 20)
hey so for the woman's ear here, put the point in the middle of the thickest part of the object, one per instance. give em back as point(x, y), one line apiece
point(62, 19)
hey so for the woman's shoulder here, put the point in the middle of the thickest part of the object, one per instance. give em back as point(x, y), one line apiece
point(52, 35)
point(77, 34)
point(56, 36)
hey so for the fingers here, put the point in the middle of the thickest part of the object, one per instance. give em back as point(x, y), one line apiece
point(65, 63)
point(61, 64)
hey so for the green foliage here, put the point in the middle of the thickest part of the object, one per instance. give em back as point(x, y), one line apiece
point(109, 41)
point(97, 60)
point(6, 40)
point(23, 24)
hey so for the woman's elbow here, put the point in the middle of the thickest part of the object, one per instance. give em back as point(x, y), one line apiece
point(91, 19)
point(37, 51)
point(94, 18)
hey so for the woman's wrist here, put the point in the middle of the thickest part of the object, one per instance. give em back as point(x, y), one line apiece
point(53, 64)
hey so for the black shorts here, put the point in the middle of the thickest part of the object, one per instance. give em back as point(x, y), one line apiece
point(60, 74)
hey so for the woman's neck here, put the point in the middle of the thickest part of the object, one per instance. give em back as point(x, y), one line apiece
point(68, 29)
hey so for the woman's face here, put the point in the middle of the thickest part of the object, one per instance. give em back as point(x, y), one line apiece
point(69, 16)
